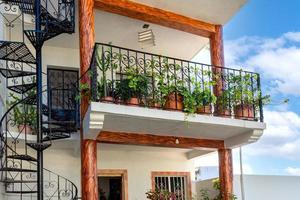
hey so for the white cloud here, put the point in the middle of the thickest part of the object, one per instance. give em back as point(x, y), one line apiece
point(276, 58)
point(281, 138)
point(293, 171)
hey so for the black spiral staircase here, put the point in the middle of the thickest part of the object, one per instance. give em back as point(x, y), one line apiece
point(30, 123)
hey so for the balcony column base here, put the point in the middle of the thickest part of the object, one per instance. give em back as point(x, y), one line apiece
point(225, 173)
point(89, 178)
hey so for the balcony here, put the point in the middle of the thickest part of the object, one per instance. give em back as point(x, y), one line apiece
point(158, 88)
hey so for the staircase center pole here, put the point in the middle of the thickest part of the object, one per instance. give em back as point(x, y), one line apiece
point(39, 82)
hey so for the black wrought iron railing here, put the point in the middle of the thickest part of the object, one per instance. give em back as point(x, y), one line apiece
point(125, 76)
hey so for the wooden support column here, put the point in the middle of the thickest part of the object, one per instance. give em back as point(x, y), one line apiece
point(89, 184)
point(87, 42)
point(217, 60)
point(226, 173)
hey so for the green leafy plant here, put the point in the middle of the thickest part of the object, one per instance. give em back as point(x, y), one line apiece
point(135, 85)
point(105, 61)
point(84, 91)
point(203, 90)
point(104, 88)
point(204, 193)
point(23, 115)
point(168, 82)
point(138, 83)
point(159, 194)
point(243, 93)
point(122, 90)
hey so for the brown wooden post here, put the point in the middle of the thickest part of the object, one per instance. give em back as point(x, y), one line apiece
point(87, 42)
point(89, 184)
point(89, 187)
point(217, 60)
point(226, 173)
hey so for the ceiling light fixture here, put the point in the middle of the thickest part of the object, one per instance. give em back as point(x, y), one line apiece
point(146, 37)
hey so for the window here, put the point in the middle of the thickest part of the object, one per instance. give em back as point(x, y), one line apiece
point(62, 90)
point(175, 182)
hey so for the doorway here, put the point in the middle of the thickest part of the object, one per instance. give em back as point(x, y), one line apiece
point(112, 185)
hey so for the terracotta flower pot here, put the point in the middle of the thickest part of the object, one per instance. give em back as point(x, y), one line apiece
point(155, 105)
point(133, 101)
point(207, 110)
point(174, 101)
point(119, 101)
point(244, 112)
point(25, 129)
point(108, 99)
point(223, 112)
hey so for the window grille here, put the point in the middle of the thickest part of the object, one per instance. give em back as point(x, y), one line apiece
point(174, 184)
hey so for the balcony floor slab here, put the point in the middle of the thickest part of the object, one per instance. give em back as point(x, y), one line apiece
point(131, 119)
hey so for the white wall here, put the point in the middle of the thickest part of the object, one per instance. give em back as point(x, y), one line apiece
point(139, 164)
point(268, 187)
point(261, 187)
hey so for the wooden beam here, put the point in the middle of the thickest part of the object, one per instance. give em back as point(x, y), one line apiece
point(157, 140)
point(89, 177)
point(157, 16)
point(226, 173)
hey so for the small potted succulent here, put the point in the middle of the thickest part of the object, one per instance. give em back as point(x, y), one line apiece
point(105, 90)
point(106, 61)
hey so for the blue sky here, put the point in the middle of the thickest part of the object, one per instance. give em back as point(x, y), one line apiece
point(265, 18)
point(265, 37)
point(268, 35)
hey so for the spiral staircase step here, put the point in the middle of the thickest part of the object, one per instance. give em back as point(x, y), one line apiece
point(22, 157)
point(65, 123)
point(38, 146)
point(16, 51)
point(11, 181)
point(21, 89)
point(56, 136)
point(13, 73)
point(21, 192)
point(12, 169)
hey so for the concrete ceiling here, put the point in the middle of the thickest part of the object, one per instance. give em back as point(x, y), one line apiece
point(213, 11)
point(123, 31)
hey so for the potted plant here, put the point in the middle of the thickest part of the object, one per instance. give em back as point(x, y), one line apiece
point(105, 61)
point(205, 194)
point(160, 194)
point(105, 90)
point(133, 88)
point(244, 95)
point(23, 116)
point(224, 104)
point(203, 94)
point(170, 87)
